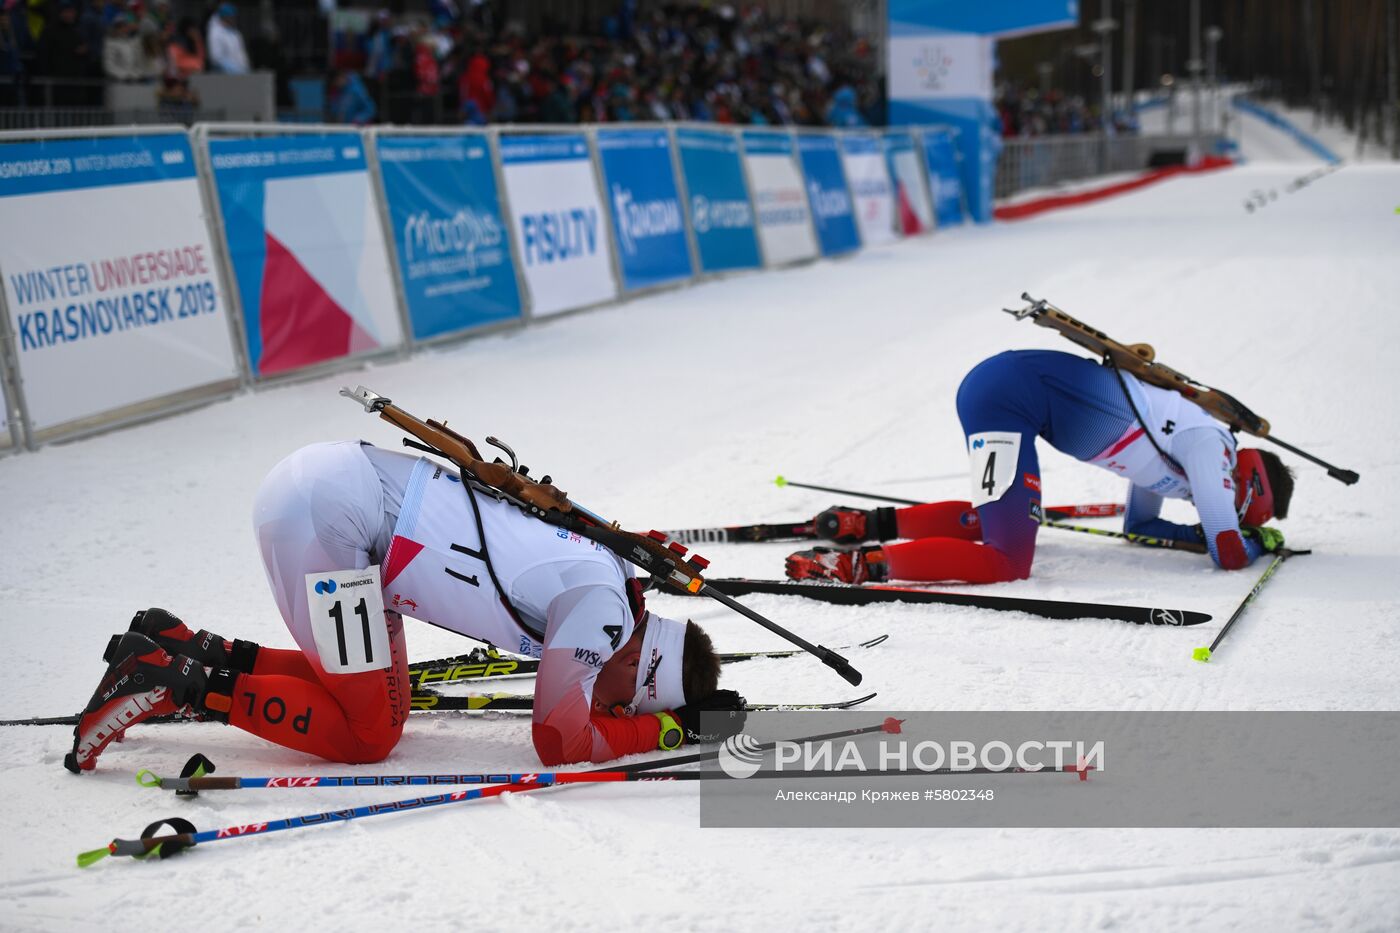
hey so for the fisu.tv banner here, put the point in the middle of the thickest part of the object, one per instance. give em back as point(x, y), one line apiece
point(784, 222)
point(450, 233)
point(863, 157)
point(308, 254)
point(911, 199)
point(564, 249)
point(647, 216)
point(109, 273)
point(720, 212)
point(941, 163)
point(827, 193)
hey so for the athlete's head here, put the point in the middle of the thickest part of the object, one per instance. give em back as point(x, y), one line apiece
point(665, 664)
point(1263, 486)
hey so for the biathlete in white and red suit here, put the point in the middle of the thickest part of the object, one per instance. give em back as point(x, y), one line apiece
point(1166, 446)
point(351, 536)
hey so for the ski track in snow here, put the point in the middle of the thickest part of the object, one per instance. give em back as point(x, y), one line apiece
point(844, 376)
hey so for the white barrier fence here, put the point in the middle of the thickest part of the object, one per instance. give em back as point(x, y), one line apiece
point(148, 269)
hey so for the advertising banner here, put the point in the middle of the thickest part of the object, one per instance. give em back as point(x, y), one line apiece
point(827, 193)
point(647, 217)
point(863, 158)
point(941, 162)
point(910, 191)
point(558, 221)
point(308, 253)
point(720, 212)
point(449, 231)
point(780, 203)
point(109, 275)
point(7, 440)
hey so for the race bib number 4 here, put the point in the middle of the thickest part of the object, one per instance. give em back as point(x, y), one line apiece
point(347, 620)
point(993, 456)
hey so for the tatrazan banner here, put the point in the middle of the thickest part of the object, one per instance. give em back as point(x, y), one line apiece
point(308, 253)
point(784, 222)
point(827, 193)
point(941, 162)
point(453, 248)
point(863, 158)
point(109, 275)
point(647, 216)
point(910, 192)
point(720, 212)
point(558, 220)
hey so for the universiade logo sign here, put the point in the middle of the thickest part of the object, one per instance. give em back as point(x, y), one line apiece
point(465, 235)
point(741, 756)
point(719, 215)
point(932, 65)
point(639, 220)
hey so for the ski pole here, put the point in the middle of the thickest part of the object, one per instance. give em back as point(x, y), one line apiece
point(1087, 510)
point(186, 836)
point(1204, 654)
point(554, 778)
point(783, 481)
point(1346, 476)
point(1147, 540)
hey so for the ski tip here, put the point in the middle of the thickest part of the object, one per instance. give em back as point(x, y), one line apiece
point(780, 481)
point(892, 726)
point(96, 855)
point(1201, 654)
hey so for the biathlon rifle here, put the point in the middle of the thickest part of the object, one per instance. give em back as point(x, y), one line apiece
point(1140, 360)
point(665, 560)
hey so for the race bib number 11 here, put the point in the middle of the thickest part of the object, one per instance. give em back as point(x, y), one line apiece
point(993, 456)
point(347, 620)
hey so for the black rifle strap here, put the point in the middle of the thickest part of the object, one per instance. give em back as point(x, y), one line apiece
point(1147, 428)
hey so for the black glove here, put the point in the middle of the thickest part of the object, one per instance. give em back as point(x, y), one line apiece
point(721, 726)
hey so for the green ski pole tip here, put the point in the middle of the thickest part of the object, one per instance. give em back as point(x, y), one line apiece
point(780, 481)
point(1201, 654)
point(96, 855)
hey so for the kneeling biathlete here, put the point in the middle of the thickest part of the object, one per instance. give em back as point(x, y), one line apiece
point(352, 538)
point(1166, 446)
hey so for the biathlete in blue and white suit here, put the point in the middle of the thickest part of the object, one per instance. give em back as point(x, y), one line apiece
point(1166, 446)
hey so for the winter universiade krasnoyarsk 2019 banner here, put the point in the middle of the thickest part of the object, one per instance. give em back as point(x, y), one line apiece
point(720, 212)
point(827, 193)
point(911, 196)
point(109, 275)
point(308, 254)
point(564, 248)
point(647, 217)
point(863, 158)
point(784, 222)
point(454, 251)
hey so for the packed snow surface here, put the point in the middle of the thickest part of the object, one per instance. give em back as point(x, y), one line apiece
point(677, 410)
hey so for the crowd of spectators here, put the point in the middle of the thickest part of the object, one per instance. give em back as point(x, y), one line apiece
point(75, 47)
point(673, 61)
point(465, 62)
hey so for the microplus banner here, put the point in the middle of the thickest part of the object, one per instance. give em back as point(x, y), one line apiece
point(907, 175)
point(827, 193)
point(109, 275)
point(720, 213)
point(308, 254)
point(564, 250)
point(945, 186)
point(784, 222)
point(453, 247)
point(647, 216)
point(863, 158)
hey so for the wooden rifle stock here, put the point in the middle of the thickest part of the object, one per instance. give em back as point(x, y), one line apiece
point(1140, 360)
